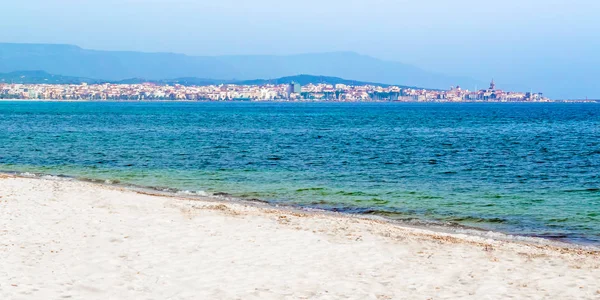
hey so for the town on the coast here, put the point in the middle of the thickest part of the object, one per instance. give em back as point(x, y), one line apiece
point(265, 92)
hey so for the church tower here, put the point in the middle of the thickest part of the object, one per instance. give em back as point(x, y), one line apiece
point(492, 85)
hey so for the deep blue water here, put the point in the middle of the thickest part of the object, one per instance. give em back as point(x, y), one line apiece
point(530, 169)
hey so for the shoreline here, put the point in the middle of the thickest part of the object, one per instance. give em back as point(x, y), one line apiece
point(224, 197)
point(83, 240)
point(301, 101)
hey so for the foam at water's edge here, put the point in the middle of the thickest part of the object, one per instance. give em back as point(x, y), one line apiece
point(434, 226)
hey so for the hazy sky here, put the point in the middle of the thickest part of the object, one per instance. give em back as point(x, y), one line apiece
point(516, 41)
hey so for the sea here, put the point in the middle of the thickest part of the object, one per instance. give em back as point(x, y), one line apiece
point(524, 169)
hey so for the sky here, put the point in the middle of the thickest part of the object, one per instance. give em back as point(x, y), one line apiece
point(530, 43)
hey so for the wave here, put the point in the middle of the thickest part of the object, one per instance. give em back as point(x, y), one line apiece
point(472, 219)
point(310, 189)
point(588, 190)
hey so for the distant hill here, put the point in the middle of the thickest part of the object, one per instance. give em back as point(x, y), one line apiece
point(42, 77)
point(122, 65)
point(307, 79)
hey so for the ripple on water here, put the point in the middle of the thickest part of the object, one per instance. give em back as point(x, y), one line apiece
point(478, 164)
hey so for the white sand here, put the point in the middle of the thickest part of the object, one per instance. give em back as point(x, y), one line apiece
point(69, 239)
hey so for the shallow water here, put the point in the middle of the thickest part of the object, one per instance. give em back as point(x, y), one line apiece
point(529, 169)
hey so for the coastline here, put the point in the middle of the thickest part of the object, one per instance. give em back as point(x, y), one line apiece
point(224, 197)
point(566, 101)
point(87, 240)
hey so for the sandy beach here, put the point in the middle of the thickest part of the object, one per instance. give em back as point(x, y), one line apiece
point(80, 240)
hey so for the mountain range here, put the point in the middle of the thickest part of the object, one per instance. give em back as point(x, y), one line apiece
point(77, 63)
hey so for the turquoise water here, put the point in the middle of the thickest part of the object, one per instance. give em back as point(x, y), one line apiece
point(528, 169)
